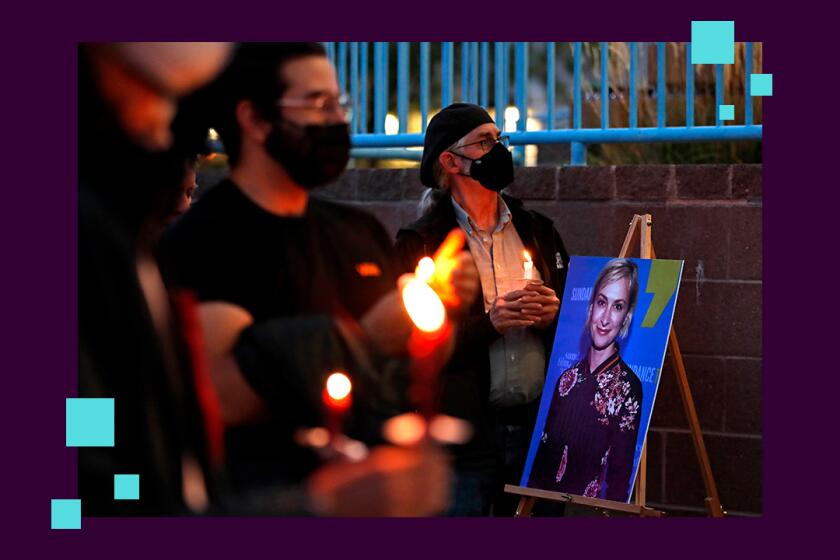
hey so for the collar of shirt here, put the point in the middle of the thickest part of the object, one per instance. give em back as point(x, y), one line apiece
point(608, 363)
point(469, 226)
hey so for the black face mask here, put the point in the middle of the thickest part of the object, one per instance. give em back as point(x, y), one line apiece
point(312, 155)
point(494, 170)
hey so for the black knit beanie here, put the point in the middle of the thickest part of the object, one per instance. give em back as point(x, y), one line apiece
point(447, 127)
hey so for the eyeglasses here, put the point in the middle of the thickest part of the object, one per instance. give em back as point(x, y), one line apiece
point(320, 102)
point(487, 144)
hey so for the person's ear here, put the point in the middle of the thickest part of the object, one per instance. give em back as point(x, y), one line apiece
point(252, 125)
point(449, 162)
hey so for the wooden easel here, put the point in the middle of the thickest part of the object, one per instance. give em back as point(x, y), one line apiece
point(639, 233)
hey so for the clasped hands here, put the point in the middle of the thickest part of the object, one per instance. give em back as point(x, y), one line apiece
point(536, 305)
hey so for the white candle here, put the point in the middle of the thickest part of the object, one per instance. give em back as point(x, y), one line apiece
point(528, 266)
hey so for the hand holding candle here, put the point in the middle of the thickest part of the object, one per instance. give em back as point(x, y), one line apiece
point(537, 292)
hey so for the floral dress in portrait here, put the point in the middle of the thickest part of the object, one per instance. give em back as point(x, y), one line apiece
point(589, 438)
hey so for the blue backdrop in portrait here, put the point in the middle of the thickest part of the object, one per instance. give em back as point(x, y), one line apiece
point(643, 349)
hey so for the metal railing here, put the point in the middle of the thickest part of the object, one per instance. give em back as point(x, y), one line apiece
point(387, 135)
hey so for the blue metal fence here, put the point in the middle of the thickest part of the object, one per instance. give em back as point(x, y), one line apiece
point(393, 137)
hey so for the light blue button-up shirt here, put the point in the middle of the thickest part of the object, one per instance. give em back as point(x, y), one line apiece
point(517, 359)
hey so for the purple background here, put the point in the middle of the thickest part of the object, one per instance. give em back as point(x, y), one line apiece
point(39, 282)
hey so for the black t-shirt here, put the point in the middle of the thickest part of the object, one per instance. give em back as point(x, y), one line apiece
point(296, 276)
point(333, 259)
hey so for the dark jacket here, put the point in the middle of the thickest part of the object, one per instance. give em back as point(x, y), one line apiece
point(465, 382)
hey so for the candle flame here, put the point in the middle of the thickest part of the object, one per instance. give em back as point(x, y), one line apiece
point(338, 386)
point(527, 256)
point(423, 305)
point(446, 256)
point(425, 269)
point(437, 270)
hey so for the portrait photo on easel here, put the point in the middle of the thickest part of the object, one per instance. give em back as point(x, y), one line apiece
point(601, 384)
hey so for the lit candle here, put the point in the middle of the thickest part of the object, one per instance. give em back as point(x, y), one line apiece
point(428, 337)
point(425, 270)
point(425, 295)
point(423, 305)
point(528, 266)
point(431, 329)
point(337, 398)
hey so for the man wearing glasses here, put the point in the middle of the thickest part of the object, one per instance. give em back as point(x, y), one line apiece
point(496, 375)
point(292, 287)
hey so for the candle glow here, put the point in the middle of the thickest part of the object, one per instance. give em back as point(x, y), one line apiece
point(337, 399)
point(338, 386)
point(527, 266)
point(426, 294)
point(423, 305)
point(425, 269)
point(437, 270)
point(405, 429)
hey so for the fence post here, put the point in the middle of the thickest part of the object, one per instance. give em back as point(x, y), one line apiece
point(578, 148)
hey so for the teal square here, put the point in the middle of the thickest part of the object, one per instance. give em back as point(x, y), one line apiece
point(761, 85)
point(726, 112)
point(713, 42)
point(65, 514)
point(90, 423)
point(126, 486)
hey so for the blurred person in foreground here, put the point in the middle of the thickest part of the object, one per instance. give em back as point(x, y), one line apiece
point(128, 347)
point(496, 375)
point(291, 287)
point(132, 345)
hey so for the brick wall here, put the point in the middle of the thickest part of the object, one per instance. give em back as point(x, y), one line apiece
point(709, 215)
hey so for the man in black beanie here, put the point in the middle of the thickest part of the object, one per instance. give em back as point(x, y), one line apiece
point(496, 375)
